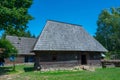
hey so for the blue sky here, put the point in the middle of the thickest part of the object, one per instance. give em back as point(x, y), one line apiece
point(81, 12)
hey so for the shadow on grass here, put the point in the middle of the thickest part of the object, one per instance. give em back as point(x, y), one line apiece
point(5, 70)
point(28, 69)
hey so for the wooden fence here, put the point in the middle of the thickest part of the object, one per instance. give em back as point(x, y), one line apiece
point(116, 63)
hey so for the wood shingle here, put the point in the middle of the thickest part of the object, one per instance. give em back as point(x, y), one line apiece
point(24, 45)
point(59, 36)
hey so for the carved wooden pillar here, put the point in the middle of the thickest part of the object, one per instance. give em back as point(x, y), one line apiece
point(37, 65)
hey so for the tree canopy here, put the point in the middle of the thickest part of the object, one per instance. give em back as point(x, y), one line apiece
point(14, 17)
point(108, 31)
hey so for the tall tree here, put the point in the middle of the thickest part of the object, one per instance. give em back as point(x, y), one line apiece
point(108, 31)
point(14, 16)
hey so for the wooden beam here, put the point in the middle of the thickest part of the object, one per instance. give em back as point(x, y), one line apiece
point(37, 65)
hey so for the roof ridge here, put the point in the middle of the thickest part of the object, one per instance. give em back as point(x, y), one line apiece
point(22, 37)
point(64, 22)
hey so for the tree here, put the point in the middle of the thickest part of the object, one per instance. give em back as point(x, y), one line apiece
point(14, 16)
point(9, 49)
point(108, 31)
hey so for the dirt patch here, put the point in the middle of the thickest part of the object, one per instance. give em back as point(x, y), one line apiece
point(10, 76)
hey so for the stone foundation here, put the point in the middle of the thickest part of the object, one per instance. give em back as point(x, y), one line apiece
point(64, 64)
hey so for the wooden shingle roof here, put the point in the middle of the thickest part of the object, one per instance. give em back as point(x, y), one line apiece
point(24, 45)
point(59, 36)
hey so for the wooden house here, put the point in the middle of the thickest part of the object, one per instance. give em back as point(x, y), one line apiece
point(24, 46)
point(66, 45)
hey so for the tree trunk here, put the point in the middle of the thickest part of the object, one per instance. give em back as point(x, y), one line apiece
point(13, 65)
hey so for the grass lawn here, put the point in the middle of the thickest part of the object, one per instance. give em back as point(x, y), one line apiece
point(25, 72)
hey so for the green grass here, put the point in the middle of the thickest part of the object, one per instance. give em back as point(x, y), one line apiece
point(25, 72)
